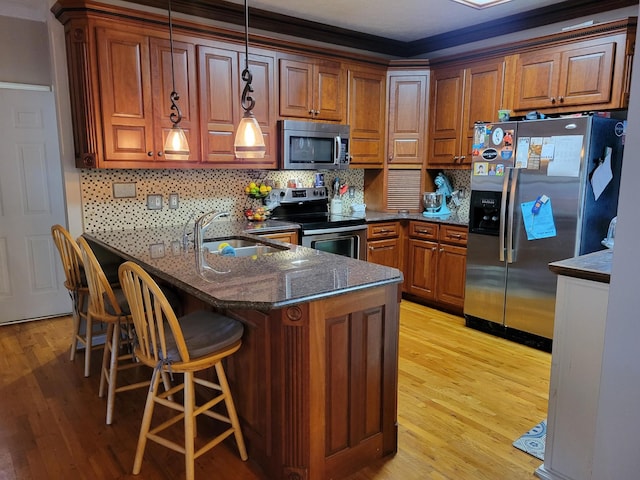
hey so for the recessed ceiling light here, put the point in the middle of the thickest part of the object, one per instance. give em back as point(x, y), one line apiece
point(481, 3)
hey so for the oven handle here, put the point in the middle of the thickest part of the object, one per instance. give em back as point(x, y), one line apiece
point(350, 228)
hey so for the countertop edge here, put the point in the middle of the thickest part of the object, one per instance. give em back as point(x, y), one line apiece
point(594, 266)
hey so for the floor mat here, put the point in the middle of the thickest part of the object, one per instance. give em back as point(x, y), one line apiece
point(533, 441)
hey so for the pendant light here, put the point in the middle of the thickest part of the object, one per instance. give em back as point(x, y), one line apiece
point(249, 142)
point(176, 146)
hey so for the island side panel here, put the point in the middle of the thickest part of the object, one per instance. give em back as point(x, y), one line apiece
point(331, 369)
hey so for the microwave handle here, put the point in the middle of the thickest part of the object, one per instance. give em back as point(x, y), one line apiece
point(337, 144)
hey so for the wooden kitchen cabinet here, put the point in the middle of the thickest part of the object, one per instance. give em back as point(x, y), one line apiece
point(290, 236)
point(384, 244)
point(452, 265)
point(587, 74)
point(436, 263)
point(220, 87)
point(366, 116)
point(459, 98)
point(578, 74)
point(407, 118)
point(312, 88)
point(135, 81)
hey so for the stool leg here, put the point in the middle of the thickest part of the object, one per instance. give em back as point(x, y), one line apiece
point(146, 421)
point(88, 345)
point(189, 430)
point(104, 369)
point(113, 370)
point(231, 410)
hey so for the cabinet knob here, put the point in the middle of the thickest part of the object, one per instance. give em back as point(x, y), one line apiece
point(149, 154)
point(433, 249)
point(455, 158)
point(441, 250)
point(561, 99)
point(553, 99)
point(462, 158)
point(311, 112)
point(159, 154)
point(317, 112)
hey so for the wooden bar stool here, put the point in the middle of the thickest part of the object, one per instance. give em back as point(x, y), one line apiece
point(76, 284)
point(109, 305)
point(185, 345)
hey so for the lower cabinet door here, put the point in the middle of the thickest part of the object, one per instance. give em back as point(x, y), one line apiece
point(421, 272)
point(452, 262)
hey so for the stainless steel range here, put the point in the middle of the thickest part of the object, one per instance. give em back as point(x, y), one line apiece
point(322, 230)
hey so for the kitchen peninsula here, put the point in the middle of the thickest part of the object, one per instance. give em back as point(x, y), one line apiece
point(315, 380)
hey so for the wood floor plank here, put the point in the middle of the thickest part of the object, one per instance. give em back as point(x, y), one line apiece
point(463, 398)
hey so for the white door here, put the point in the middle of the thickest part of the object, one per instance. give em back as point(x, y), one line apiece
point(31, 201)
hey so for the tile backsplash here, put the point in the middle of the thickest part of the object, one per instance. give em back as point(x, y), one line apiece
point(201, 191)
point(198, 191)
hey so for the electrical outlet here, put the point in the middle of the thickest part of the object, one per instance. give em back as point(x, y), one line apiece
point(124, 189)
point(154, 202)
point(173, 200)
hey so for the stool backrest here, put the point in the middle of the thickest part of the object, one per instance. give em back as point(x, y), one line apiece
point(70, 256)
point(157, 328)
point(103, 304)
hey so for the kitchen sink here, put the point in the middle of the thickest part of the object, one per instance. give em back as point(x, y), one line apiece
point(239, 247)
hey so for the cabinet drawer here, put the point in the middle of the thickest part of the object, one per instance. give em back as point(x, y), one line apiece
point(453, 235)
point(383, 230)
point(423, 230)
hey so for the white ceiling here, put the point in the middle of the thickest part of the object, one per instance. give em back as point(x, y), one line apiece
point(403, 20)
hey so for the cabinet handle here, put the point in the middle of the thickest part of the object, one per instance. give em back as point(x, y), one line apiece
point(424, 231)
point(455, 235)
point(455, 158)
point(149, 154)
point(462, 158)
point(433, 249)
point(441, 250)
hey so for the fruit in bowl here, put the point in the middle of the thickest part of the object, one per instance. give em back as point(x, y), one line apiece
point(257, 190)
point(258, 214)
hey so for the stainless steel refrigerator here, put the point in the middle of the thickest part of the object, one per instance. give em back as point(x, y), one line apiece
point(541, 191)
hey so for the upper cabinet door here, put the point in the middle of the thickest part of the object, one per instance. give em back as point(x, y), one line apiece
point(296, 89)
point(219, 81)
point(366, 116)
point(329, 91)
point(184, 60)
point(408, 110)
point(312, 89)
point(125, 82)
point(586, 74)
point(447, 89)
point(537, 77)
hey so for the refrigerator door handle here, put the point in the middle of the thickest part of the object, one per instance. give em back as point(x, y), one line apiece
point(512, 201)
point(503, 209)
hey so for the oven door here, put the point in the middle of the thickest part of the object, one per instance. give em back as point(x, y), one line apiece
point(347, 241)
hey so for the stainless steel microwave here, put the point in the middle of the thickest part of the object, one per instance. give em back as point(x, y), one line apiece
point(314, 145)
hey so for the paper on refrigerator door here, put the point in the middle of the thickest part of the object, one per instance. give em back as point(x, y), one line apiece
point(602, 175)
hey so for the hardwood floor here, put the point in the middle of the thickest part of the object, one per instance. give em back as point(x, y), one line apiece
point(463, 398)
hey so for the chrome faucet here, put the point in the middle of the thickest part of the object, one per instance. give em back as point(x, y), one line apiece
point(202, 223)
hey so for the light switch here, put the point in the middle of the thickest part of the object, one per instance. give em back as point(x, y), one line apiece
point(173, 200)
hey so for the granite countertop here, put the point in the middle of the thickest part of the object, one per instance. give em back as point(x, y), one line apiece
point(594, 266)
point(290, 276)
point(452, 219)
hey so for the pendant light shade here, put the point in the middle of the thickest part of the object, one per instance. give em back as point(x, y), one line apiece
point(176, 146)
point(249, 142)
